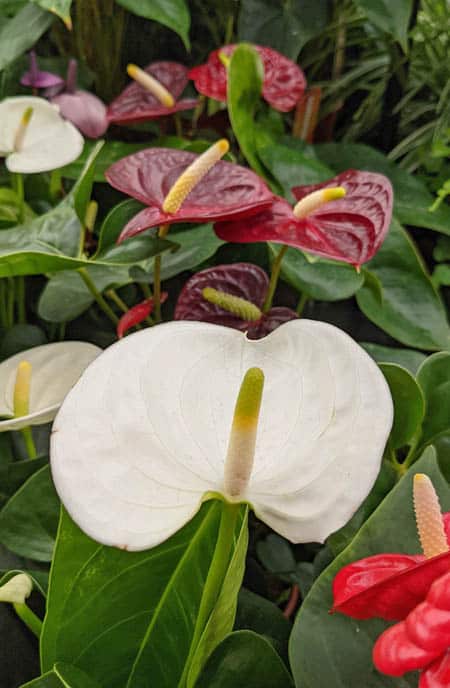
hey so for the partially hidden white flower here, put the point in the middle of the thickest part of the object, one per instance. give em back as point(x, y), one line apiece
point(143, 437)
point(17, 589)
point(54, 370)
point(34, 137)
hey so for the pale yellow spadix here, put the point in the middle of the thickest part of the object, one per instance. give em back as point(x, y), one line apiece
point(22, 129)
point(151, 85)
point(316, 200)
point(22, 389)
point(193, 174)
point(241, 445)
point(429, 521)
point(233, 304)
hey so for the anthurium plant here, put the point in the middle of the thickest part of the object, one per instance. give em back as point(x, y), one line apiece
point(224, 345)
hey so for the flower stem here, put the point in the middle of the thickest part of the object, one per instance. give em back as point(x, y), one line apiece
point(114, 296)
point(17, 184)
point(10, 301)
point(163, 230)
point(303, 300)
point(106, 308)
point(3, 307)
point(274, 275)
point(29, 618)
point(20, 299)
point(27, 435)
point(178, 125)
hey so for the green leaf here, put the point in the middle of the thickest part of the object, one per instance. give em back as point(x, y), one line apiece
point(407, 358)
point(14, 473)
point(21, 32)
point(320, 642)
point(110, 153)
point(275, 554)
point(59, 7)
point(411, 197)
point(62, 675)
point(325, 280)
point(82, 190)
point(282, 24)
point(171, 13)
point(129, 617)
point(434, 379)
point(409, 404)
point(411, 311)
point(244, 659)
point(20, 337)
point(391, 17)
point(29, 520)
point(256, 613)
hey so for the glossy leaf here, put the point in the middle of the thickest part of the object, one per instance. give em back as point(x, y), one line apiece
point(22, 32)
point(411, 310)
point(15, 473)
point(391, 17)
point(144, 638)
point(171, 13)
point(434, 379)
point(320, 641)
point(110, 152)
point(227, 190)
point(407, 358)
point(29, 520)
point(63, 675)
point(59, 7)
point(258, 614)
point(409, 404)
point(244, 658)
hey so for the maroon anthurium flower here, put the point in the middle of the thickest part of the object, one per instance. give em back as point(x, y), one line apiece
point(147, 99)
point(213, 190)
point(231, 295)
point(345, 218)
point(36, 78)
point(135, 315)
point(83, 109)
point(284, 81)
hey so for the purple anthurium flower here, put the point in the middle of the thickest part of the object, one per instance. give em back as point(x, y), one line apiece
point(247, 284)
point(83, 109)
point(36, 78)
point(147, 99)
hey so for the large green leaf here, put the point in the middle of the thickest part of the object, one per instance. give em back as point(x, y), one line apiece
point(62, 676)
point(129, 617)
point(407, 358)
point(110, 152)
point(320, 642)
point(59, 7)
point(434, 379)
point(29, 520)
point(410, 309)
point(409, 404)
point(282, 24)
point(245, 659)
point(391, 17)
point(258, 614)
point(171, 13)
point(411, 197)
point(22, 32)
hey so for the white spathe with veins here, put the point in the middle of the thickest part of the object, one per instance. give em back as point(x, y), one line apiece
point(143, 435)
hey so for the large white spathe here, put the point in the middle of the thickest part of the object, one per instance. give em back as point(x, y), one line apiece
point(54, 370)
point(143, 435)
point(49, 140)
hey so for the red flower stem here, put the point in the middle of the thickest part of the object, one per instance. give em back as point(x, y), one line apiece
point(292, 602)
point(163, 230)
point(274, 275)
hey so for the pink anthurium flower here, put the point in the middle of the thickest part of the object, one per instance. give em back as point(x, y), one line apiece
point(83, 109)
point(135, 315)
point(224, 191)
point(231, 295)
point(284, 81)
point(345, 218)
point(36, 78)
point(150, 98)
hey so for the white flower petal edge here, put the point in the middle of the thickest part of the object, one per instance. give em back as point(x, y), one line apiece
point(55, 369)
point(144, 433)
point(49, 142)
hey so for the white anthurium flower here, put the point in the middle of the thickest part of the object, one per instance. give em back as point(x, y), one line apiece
point(144, 436)
point(34, 137)
point(36, 381)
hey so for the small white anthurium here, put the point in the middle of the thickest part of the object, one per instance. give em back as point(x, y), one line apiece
point(34, 382)
point(174, 415)
point(34, 137)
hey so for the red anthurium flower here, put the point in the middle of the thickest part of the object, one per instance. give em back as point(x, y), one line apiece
point(284, 81)
point(150, 98)
point(231, 295)
point(36, 78)
point(137, 314)
point(345, 218)
point(389, 586)
point(201, 188)
point(421, 641)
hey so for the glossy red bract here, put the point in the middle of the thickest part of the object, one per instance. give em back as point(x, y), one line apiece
point(136, 104)
point(284, 81)
point(137, 314)
point(350, 229)
point(226, 191)
point(244, 280)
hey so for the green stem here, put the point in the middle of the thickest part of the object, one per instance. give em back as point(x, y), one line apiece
point(163, 230)
point(56, 189)
point(17, 184)
point(178, 125)
point(303, 300)
point(146, 290)
point(61, 331)
point(114, 296)
point(20, 300)
point(274, 275)
point(214, 579)
point(106, 308)
point(3, 308)
point(10, 300)
point(27, 435)
point(29, 618)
